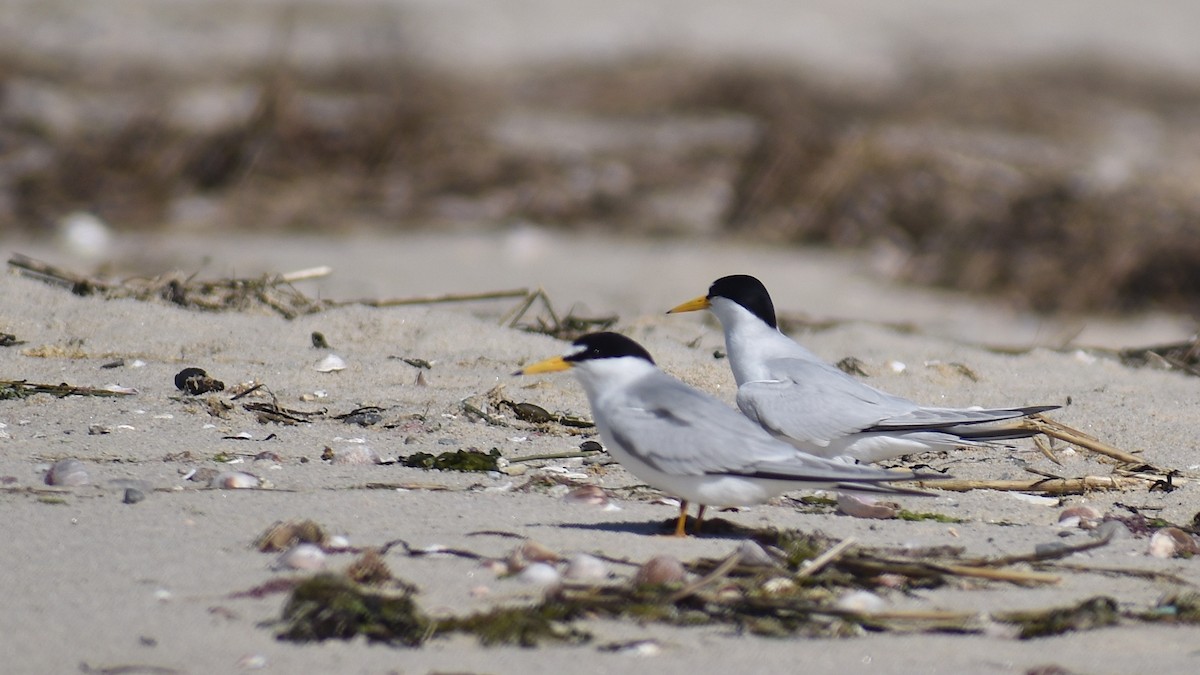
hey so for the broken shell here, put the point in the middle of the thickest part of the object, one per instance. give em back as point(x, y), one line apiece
point(584, 567)
point(588, 494)
point(302, 557)
point(330, 364)
point(661, 569)
point(528, 552)
point(754, 555)
point(337, 543)
point(67, 472)
point(283, 536)
point(234, 480)
point(1172, 542)
point(860, 506)
point(862, 602)
point(540, 574)
point(356, 454)
point(1078, 516)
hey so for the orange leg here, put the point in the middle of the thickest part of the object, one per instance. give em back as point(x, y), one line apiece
point(699, 519)
point(680, 525)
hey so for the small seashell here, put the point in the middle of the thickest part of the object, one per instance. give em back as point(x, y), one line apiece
point(593, 495)
point(337, 543)
point(896, 366)
point(234, 480)
point(584, 567)
point(659, 570)
point(67, 472)
point(540, 574)
point(642, 648)
point(98, 430)
point(302, 557)
point(860, 506)
point(1039, 500)
point(1172, 542)
point(590, 446)
point(862, 602)
point(356, 454)
point(330, 364)
point(778, 586)
point(118, 389)
point(253, 662)
point(133, 495)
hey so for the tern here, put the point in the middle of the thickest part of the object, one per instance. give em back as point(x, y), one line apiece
point(820, 410)
point(689, 444)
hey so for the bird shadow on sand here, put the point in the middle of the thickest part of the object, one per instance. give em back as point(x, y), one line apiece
point(716, 528)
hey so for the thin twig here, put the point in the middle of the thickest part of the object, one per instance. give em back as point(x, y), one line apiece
point(557, 455)
point(819, 562)
point(438, 299)
point(718, 572)
point(1055, 429)
point(1054, 486)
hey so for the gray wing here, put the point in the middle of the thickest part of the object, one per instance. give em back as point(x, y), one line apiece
point(817, 403)
point(682, 431)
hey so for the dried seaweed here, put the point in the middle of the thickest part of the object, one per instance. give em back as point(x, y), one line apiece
point(272, 291)
point(458, 460)
point(13, 389)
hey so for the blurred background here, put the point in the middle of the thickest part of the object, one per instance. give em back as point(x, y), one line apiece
point(1047, 155)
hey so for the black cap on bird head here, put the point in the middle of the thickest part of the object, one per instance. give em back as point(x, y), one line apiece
point(606, 345)
point(748, 292)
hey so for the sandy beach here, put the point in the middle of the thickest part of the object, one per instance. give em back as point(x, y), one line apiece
point(92, 580)
point(613, 159)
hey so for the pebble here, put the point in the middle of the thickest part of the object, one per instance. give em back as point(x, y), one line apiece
point(305, 556)
point(1110, 528)
point(863, 602)
point(67, 472)
point(540, 574)
point(754, 555)
point(661, 569)
point(587, 494)
point(133, 495)
point(584, 567)
point(363, 419)
point(356, 454)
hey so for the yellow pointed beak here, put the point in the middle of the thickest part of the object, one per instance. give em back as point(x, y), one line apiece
point(553, 364)
point(693, 305)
